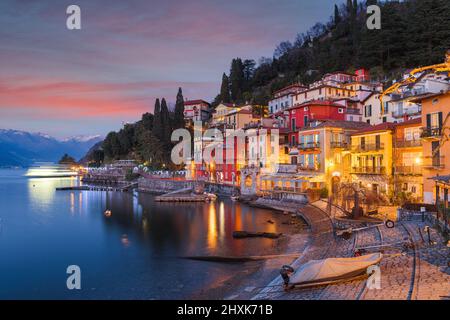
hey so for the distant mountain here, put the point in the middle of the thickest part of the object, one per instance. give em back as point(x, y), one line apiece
point(20, 148)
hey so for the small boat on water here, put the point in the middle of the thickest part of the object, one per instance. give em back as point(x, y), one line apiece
point(234, 198)
point(332, 270)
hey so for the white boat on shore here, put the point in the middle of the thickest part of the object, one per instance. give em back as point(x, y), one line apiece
point(332, 270)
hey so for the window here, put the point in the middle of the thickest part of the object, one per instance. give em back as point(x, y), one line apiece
point(434, 120)
point(293, 141)
point(368, 110)
point(305, 121)
point(412, 134)
point(378, 141)
point(368, 121)
point(306, 109)
point(293, 126)
point(340, 110)
point(384, 119)
point(320, 91)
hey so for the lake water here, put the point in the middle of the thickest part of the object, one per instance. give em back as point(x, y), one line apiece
point(133, 254)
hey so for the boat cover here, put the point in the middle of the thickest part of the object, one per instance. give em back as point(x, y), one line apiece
point(334, 269)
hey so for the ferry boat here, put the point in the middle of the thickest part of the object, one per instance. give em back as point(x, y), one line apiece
point(51, 170)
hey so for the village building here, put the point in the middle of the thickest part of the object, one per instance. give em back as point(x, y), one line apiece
point(196, 110)
point(371, 163)
point(435, 144)
point(283, 98)
point(310, 114)
point(407, 158)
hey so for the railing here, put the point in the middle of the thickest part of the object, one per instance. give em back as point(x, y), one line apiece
point(369, 170)
point(287, 168)
point(353, 111)
point(408, 143)
point(369, 147)
point(433, 162)
point(339, 145)
point(302, 167)
point(309, 145)
point(431, 132)
point(408, 170)
point(406, 112)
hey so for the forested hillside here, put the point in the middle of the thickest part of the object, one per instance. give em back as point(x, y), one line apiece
point(413, 33)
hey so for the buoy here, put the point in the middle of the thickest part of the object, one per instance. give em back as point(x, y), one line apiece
point(108, 213)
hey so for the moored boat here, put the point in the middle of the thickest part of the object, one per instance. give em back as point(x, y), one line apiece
point(317, 272)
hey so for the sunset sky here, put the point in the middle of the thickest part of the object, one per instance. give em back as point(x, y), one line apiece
point(89, 81)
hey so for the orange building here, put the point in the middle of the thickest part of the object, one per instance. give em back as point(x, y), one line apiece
point(407, 160)
point(435, 147)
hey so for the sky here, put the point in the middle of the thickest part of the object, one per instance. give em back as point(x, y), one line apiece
point(128, 53)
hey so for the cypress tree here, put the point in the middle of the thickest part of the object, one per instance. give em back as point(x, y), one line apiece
point(157, 124)
point(337, 16)
point(225, 89)
point(165, 124)
point(236, 80)
point(178, 118)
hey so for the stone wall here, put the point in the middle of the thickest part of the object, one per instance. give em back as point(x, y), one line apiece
point(221, 189)
point(160, 186)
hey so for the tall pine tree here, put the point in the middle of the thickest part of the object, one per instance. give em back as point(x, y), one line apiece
point(178, 117)
point(225, 89)
point(165, 125)
point(236, 80)
point(157, 124)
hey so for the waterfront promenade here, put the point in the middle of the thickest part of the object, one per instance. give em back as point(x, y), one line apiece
point(411, 270)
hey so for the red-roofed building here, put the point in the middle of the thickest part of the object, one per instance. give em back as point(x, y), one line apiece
point(302, 116)
point(196, 110)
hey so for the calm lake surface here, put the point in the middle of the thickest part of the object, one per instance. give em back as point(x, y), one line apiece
point(134, 254)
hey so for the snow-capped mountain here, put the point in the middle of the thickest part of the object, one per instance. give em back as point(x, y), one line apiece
point(21, 148)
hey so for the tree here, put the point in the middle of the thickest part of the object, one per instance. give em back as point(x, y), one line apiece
point(157, 124)
point(66, 159)
point(178, 118)
point(98, 156)
point(337, 15)
point(165, 125)
point(282, 49)
point(225, 89)
point(236, 80)
point(249, 69)
point(111, 146)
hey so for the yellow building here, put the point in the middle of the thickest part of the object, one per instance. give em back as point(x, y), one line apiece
point(372, 158)
point(221, 111)
point(435, 147)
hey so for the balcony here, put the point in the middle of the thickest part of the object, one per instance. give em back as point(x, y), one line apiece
point(353, 111)
point(434, 163)
point(408, 170)
point(431, 133)
point(303, 167)
point(309, 146)
point(287, 168)
point(369, 170)
point(408, 143)
point(339, 145)
point(368, 147)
